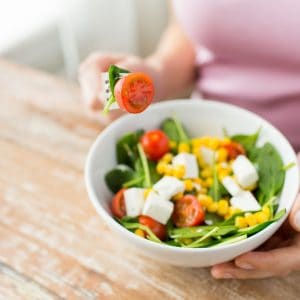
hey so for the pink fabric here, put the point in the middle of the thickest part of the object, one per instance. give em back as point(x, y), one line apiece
point(248, 53)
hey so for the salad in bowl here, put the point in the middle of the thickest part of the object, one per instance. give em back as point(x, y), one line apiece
point(192, 183)
point(194, 192)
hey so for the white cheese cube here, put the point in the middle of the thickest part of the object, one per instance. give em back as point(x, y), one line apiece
point(168, 186)
point(158, 208)
point(245, 201)
point(207, 155)
point(134, 201)
point(189, 161)
point(231, 186)
point(244, 171)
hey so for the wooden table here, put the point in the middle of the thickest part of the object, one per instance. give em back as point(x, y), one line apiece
point(53, 245)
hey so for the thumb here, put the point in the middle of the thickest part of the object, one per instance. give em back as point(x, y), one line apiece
point(294, 217)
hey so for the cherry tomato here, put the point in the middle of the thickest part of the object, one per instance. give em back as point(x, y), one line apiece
point(118, 204)
point(158, 229)
point(134, 92)
point(234, 149)
point(188, 212)
point(155, 144)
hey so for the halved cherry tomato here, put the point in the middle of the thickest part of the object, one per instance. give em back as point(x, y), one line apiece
point(134, 92)
point(157, 228)
point(188, 212)
point(234, 149)
point(118, 204)
point(155, 144)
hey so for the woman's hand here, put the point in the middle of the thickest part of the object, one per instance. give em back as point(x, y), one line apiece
point(91, 69)
point(279, 256)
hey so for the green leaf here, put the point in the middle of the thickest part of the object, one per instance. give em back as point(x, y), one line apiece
point(126, 148)
point(114, 74)
point(116, 177)
point(212, 219)
point(254, 229)
point(145, 166)
point(271, 173)
point(247, 141)
point(174, 130)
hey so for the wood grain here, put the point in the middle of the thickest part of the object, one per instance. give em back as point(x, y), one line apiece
point(53, 245)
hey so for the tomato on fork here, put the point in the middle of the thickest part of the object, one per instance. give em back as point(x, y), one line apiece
point(188, 212)
point(134, 92)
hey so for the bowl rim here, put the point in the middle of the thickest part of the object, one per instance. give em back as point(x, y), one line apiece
point(164, 247)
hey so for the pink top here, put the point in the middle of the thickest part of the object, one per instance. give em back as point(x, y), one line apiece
point(248, 53)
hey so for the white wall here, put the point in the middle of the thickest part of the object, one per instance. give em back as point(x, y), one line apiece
point(82, 26)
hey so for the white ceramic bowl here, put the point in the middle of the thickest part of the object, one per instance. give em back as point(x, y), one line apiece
point(200, 118)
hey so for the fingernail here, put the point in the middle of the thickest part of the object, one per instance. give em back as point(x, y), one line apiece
point(297, 219)
point(227, 276)
point(245, 266)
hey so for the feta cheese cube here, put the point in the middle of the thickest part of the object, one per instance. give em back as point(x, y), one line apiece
point(158, 208)
point(207, 155)
point(231, 186)
point(189, 161)
point(244, 171)
point(168, 186)
point(134, 201)
point(245, 201)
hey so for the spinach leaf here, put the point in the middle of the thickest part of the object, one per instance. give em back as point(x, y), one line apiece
point(212, 218)
point(116, 177)
point(271, 173)
point(247, 141)
point(145, 166)
point(126, 148)
point(173, 128)
point(114, 74)
point(152, 170)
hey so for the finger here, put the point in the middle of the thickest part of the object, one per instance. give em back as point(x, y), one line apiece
point(294, 217)
point(278, 261)
point(230, 271)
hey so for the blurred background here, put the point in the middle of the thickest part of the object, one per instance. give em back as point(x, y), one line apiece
point(55, 35)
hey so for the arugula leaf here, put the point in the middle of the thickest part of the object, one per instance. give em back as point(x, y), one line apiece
point(114, 74)
point(247, 141)
point(116, 177)
point(271, 173)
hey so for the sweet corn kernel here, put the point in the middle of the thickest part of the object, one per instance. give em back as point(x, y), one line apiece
point(240, 222)
point(267, 211)
point(261, 217)
point(251, 220)
point(196, 143)
point(251, 188)
point(203, 190)
point(225, 141)
point(227, 216)
point(197, 180)
point(179, 171)
point(223, 207)
point(146, 192)
point(167, 158)
point(139, 232)
point(222, 155)
point(204, 140)
point(168, 170)
point(178, 196)
point(183, 147)
point(213, 143)
point(208, 182)
point(205, 200)
point(172, 145)
point(223, 173)
point(206, 172)
point(213, 207)
point(188, 183)
point(201, 162)
point(161, 167)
